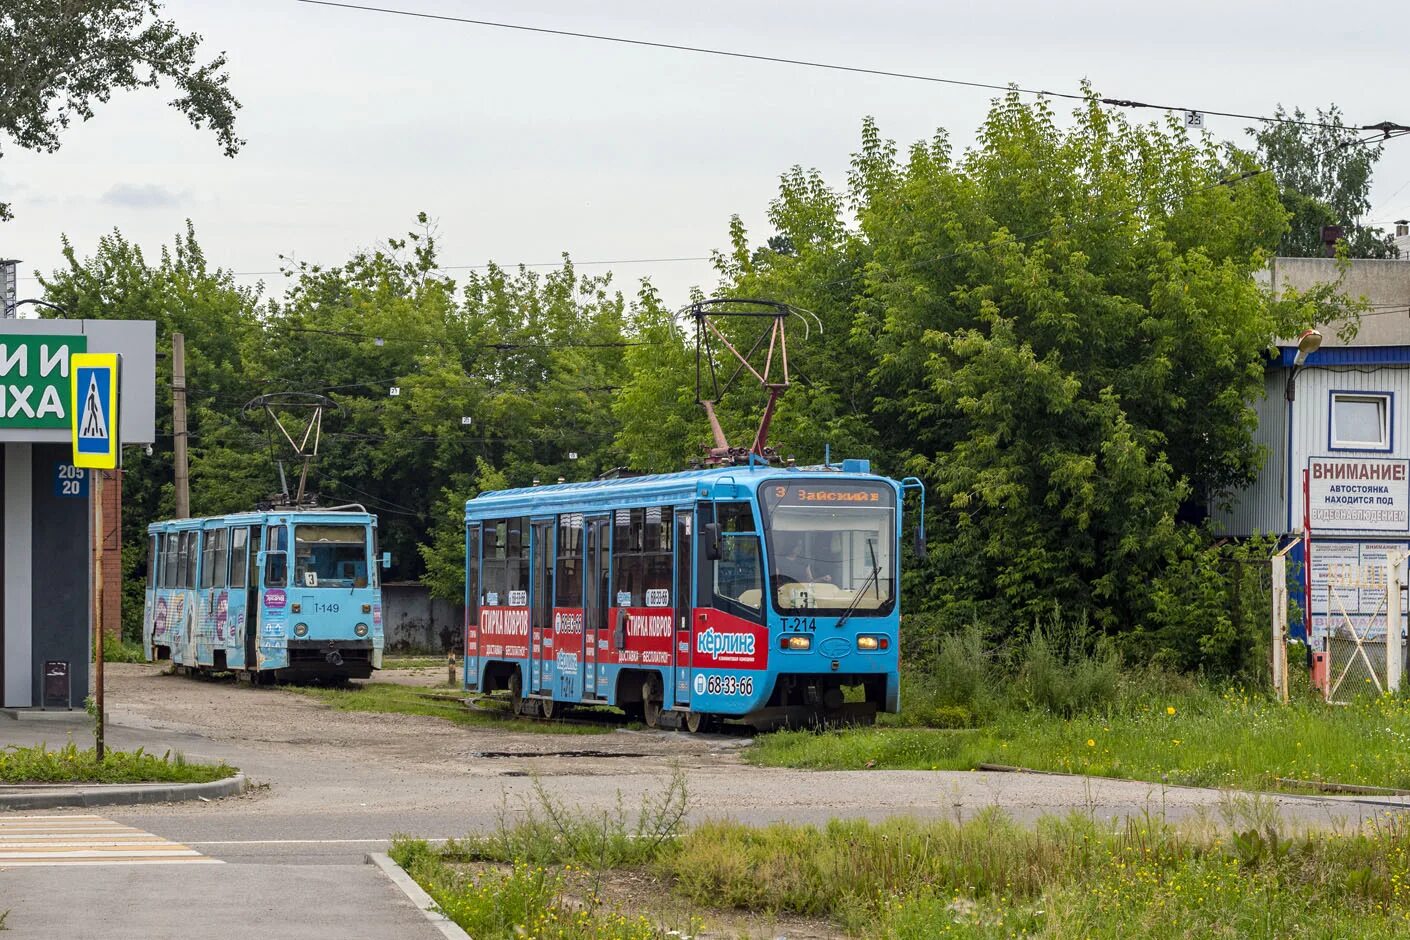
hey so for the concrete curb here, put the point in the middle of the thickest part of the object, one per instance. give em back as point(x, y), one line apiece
point(448, 928)
point(99, 794)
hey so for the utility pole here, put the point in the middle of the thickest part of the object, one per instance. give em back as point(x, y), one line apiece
point(178, 424)
point(99, 543)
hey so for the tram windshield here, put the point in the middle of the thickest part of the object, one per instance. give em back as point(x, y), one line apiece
point(831, 546)
point(330, 556)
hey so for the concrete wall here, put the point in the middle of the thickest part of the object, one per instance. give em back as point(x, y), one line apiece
point(1385, 284)
point(413, 621)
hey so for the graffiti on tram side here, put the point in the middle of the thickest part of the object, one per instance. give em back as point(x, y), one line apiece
point(504, 631)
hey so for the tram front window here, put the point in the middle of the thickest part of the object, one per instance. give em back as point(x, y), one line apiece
point(831, 546)
point(330, 556)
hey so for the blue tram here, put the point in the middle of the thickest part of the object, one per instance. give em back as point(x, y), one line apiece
point(283, 594)
point(754, 593)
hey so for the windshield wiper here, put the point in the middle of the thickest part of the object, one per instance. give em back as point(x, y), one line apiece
point(874, 577)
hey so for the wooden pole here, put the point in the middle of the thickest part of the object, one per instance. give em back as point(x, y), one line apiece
point(178, 424)
point(99, 544)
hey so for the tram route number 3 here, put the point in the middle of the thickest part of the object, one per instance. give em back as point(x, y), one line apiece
point(70, 481)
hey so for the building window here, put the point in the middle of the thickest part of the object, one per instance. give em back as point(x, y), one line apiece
point(1360, 421)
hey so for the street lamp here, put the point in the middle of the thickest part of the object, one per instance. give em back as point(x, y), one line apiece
point(11, 308)
point(1307, 344)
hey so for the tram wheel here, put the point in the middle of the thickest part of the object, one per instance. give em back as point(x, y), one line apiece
point(516, 693)
point(696, 722)
point(651, 700)
point(548, 707)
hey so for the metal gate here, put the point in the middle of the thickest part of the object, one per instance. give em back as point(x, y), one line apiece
point(1365, 655)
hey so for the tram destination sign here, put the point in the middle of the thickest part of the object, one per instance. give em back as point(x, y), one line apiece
point(34, 379)
point(1358, 494)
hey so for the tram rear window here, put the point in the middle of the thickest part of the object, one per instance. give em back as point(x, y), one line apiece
point(330, 556)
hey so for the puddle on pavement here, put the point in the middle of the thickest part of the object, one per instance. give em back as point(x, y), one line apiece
point(503, 754)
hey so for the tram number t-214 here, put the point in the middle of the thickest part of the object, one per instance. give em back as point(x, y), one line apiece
point(800, 624)
point(730, 685)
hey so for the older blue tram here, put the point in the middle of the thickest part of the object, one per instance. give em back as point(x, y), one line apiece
point(282, 594)
point(754, 593)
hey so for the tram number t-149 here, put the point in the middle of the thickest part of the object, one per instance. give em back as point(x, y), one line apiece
point(325, 608)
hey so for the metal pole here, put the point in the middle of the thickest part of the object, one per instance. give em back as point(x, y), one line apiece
point(1280, 616)
point(178, 424)
point(1395, 574)
point(98, 544)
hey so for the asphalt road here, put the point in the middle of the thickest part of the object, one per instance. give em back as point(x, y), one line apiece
point(336, 785)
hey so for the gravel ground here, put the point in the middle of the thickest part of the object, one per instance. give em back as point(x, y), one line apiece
point(425, 774)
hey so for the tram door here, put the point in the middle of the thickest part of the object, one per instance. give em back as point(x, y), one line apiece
point(253, 602)
point(683, 599)
point(595, 599)
point(541, 610)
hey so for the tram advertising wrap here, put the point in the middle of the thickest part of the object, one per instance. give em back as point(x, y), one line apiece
point(752, 593)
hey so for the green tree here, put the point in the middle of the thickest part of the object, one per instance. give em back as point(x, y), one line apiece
point(1324, 178)
point(1058, 330)
point(222, 324)
point(58, 59)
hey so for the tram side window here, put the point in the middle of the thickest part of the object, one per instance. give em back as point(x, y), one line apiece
point(210, 557)
point(276, 567)
point(641, 555)
point(152, 542)
point(472, 586)
point(183, 548)
point(193, 559)
point(170, 557)
point(739, 581)
point(222, 558)
point(569, 583)
point(506, 559)
point(239, 556)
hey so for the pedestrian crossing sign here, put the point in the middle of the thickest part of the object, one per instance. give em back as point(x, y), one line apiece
point(94, 410)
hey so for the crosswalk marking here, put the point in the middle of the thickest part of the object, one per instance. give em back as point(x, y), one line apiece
point(87, 840)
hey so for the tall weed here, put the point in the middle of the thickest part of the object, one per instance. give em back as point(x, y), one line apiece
point(1067, 668)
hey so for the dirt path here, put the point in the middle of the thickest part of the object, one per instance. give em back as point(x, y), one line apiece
point(142, 696)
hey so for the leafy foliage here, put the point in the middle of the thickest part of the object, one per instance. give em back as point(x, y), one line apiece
point(1058, 330)
point(58, 59)
point(1324, 178)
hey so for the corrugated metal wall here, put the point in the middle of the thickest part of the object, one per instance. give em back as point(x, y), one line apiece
point(1266, 507)
point(1262, 507)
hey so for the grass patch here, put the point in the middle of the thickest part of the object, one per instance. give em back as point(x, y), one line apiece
point(449, 704)
point(68, 764)
point(1238, 875)
point(122, 651)
point(552, 865)
point(1198, 737)
point(416, 662)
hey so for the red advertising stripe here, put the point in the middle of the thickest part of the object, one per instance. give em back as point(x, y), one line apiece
point(723, 641)
point(504, 632)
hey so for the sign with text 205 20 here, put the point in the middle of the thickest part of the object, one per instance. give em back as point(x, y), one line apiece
point(34, 379)
point(70, 482)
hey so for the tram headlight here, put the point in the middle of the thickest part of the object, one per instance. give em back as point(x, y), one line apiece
point(796, 641)
point(300, 630)
point(360, 630)
point(873, 643)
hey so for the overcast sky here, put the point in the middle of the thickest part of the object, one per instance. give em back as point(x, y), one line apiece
point(523, 146)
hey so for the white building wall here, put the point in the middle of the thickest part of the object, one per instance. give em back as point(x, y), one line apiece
point(1311, 418)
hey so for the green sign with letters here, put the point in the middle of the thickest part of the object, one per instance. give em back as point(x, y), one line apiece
point(34, 379)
